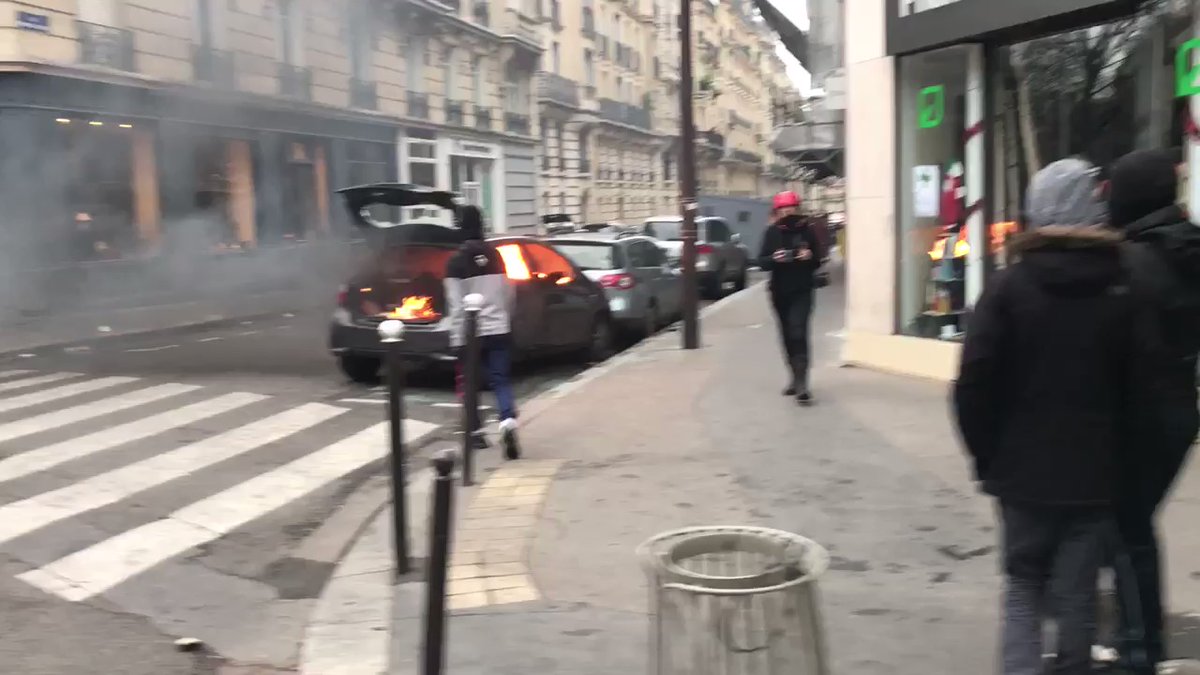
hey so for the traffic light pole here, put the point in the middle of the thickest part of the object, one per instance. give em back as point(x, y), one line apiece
point(687, 180)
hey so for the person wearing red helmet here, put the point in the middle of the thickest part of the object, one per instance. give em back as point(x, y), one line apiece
point(792, 253)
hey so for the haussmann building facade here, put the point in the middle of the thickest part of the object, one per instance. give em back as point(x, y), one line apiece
point(952, 106)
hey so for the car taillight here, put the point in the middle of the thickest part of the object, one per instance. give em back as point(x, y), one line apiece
point(703, 249)
point(343, 296)
point(621, 281)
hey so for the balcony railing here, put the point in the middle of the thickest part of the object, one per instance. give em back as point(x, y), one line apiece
point(483, 118)
point(521, 26)
point(418, 105)
point(105, 46)
point(455, 116)
point(212, 65)
point(516, 123)
point(363, 95)
point(558, 89)
point(745, 156)
point(295, 81)
point(624, 113)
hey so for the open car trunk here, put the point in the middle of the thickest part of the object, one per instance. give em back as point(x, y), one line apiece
point(404, 278)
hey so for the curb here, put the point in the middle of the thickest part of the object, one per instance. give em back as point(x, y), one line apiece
point(544, 401)
point(176, 329)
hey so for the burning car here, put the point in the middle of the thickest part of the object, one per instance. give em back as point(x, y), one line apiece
point(557, 308)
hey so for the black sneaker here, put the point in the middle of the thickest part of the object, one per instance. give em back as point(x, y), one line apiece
point(508, 435)
point(805, 398)
point(789, 390)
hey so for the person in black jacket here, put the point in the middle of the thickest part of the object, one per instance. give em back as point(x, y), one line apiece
point(1162, 254)
point(1042, 400)
point(792, 252)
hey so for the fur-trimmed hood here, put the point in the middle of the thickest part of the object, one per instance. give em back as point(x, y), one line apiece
point(1070, 259)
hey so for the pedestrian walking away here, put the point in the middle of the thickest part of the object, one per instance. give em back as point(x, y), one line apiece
point(1162, 255)
point(792, 252)
point(1048, 374)
point(478, 268)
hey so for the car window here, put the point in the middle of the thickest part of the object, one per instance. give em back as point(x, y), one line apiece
point(589, 255)
point(516, 267)
point(546, 261)
point(666, 230)
point(655, 254)
point(637, 255)
point(718, 231)
point(647, 254)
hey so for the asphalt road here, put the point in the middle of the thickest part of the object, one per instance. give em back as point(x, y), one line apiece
point(158, 487)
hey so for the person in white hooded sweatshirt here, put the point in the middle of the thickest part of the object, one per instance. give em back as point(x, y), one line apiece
point(478, 268)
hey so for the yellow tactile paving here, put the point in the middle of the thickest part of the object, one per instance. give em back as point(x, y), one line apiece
point(488, 556)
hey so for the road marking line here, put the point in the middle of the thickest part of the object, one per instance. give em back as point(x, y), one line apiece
point(361, 400)
point(98, 568)
point(87, 411)
point(14, 373)
point(147, 350)
point(249, 332)
point(34, 381)
point(455, 404)
point(210, 339)
point(50, 456)
point(57, 393)
point(25, 516)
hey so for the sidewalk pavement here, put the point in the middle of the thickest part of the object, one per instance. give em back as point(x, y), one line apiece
point(80, 328)
point(544, 575)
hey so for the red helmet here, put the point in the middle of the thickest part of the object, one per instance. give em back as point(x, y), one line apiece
point(786, 200)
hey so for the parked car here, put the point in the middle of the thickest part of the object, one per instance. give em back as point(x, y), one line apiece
point(644, 291)
point(721, 261)
point(558, 309)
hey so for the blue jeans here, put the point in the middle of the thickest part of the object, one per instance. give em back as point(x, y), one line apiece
point(496, 357)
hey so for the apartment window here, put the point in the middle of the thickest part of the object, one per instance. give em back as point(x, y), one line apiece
point(451, 75)
point(415, 64)
point(361, 41)
point(204, 23)
point(589, 67)
point(421, 159)
point(291, 32)
point(477, 80)
point(556, 59)
point(562, 147)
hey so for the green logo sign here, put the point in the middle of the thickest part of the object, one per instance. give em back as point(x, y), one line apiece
point(1186, 72)
point(931, 106)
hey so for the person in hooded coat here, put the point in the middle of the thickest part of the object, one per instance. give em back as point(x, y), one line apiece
point(478, 268)
point(1162, 254)
point(1041, 399)
point(792, 252)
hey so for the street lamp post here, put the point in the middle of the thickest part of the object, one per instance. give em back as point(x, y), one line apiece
point(687, 180)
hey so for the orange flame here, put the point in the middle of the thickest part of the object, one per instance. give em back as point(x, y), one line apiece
point(414, 308)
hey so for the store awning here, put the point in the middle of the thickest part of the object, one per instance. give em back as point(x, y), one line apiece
point(794, 39)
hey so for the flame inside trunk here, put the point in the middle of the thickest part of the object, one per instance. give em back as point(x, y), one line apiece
point(415, 308)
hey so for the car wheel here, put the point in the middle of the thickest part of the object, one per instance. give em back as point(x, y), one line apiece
point(360, 369)
point(652, 324)
point(741, 282)
point(600, 346)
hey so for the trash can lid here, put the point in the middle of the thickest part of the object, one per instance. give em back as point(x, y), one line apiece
point(733, 559)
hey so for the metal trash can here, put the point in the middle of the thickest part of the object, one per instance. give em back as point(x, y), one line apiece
point(735, 601)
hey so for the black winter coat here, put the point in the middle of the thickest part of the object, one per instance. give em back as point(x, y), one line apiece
point(794, 276)
point(1163, 255)
point(1049, 372)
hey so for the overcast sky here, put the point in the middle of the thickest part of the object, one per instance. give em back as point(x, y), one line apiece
point(797, 12)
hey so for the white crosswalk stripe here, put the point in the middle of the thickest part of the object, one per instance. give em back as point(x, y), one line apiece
point(50, 456)
point(105, 406)
point(140, 452)
point(52, 395)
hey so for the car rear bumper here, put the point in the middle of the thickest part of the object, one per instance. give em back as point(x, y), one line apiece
point(624, 309)
point(421, 343)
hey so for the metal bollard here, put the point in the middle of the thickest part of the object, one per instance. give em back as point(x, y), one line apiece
point(472, 426)
point(434, 647)
point(391, 334)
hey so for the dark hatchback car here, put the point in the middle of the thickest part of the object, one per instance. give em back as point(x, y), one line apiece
point(557, 308)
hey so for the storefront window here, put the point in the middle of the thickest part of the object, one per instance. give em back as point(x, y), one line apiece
point(935, 207)
point(369, 163)
point(1096, 93)
point(99, 188)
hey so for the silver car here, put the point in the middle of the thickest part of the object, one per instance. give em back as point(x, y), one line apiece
point(644, 292)
point(722, 262)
